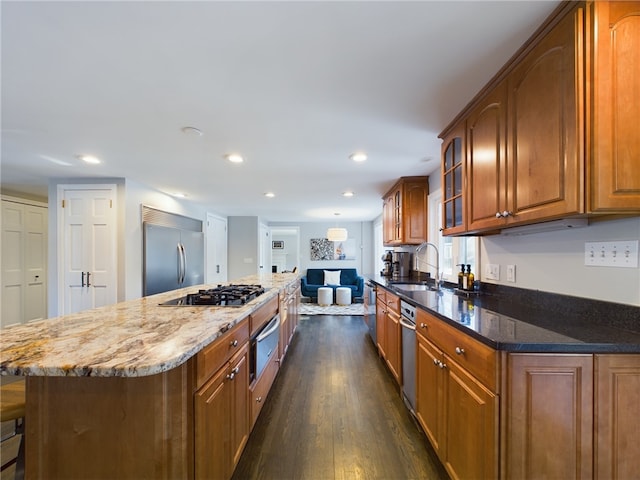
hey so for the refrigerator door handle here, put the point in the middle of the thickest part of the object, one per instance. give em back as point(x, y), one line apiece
point(180, 264)
point(184, 263)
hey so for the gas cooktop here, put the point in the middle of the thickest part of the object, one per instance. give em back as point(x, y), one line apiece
point(222, 296)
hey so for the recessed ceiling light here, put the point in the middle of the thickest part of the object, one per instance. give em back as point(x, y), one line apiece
point(89, 159)
point(347, 194)
point(358, 156)
point(234, 158)
point(192, 131)
point(179, 195)
point(270, 194)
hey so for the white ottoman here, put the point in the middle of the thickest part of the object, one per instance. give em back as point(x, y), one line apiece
point(325, 296)
point(343, 296)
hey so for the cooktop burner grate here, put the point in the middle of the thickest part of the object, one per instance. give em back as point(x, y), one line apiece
point(223, 295)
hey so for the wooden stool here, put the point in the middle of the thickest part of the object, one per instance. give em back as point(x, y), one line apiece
point(12, 407)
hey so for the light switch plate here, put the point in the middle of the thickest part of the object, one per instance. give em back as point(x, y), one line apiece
point(492, 271)
point(622, 253)
point(511, 273)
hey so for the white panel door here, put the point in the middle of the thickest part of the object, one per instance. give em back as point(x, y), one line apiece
point(35, 262)
point(24, 262)
point(216, 239)
point(89, 248)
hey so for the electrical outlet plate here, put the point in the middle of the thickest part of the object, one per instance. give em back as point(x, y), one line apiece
point(623, 253)
point(511, 273)
point(492, 271)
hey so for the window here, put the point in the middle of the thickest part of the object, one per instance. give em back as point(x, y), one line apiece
point(453, 250)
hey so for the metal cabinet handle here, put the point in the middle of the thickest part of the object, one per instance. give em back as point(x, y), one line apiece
point(233, 373)
point(423, 325)
point(233, 343)
point(498, 215)
point(460, 351)
point(83, 279)
point(436, 361)
point(88, 282)
point(442, 365)
point(259, 399)
point(506, 213)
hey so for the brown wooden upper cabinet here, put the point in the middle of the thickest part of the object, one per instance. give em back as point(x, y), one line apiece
point(537, 143)
point(404, 213)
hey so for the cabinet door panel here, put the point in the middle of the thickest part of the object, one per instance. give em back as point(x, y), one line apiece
point(617, 416)
point(545, 171)
point(429, 389)
point(486, 137)
point(239, 388)
point(615, 176)
point(212, 430)
point(472, 424)
point(549, 409)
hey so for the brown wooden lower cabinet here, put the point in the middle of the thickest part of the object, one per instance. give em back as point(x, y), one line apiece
point(543, 415)
point(388, 332)
point(548, 424)
point(222, 418)
point(458, 413)
point(617, 413)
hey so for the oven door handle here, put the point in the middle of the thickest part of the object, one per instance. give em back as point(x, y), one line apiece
point(405, 324)
point(273, 325)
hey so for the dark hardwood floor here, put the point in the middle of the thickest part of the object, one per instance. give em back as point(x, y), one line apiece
point(334, 412)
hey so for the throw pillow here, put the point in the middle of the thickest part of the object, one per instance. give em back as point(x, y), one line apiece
point(332, 277)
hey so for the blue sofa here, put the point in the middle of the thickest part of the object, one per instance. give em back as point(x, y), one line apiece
point(314, 279)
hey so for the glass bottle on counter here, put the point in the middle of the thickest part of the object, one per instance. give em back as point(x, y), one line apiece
point(470, 278)
point(460, 275)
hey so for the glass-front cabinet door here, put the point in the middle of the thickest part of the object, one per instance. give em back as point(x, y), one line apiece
point(453, 164)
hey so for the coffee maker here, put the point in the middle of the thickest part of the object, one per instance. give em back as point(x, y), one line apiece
point(401, 264)
point(387, 268)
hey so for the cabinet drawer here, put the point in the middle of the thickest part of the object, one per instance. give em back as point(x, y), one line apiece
point(212, 357)
point(472, 355)
point(265, 313)
point(260, 388)
point(393, 303)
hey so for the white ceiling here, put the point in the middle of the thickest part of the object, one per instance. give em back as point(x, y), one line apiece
point(295, 87)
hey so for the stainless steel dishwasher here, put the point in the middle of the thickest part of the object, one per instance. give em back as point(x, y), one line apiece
point(408, 324)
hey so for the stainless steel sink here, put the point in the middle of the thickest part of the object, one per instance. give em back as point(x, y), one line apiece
point(412, 287)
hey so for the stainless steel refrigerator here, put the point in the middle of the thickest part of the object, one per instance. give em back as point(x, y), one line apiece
point(173, 258)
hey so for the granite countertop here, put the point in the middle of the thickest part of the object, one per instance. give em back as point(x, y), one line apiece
point(128, 339)
point(507, 319)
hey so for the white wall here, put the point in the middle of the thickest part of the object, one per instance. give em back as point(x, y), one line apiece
point(554, 262)
point(243, 247)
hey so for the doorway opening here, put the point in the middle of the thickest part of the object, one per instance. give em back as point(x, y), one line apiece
point(285, 249)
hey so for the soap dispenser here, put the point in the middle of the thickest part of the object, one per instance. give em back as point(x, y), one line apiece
point(470, 278)
point(460, 275)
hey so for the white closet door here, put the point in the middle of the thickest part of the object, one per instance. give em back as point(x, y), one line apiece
point(12, 263)
point(89, 248)
point(35, 262)
point(24, 262)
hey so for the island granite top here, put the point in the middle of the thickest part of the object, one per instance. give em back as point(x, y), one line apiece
point(134, 338)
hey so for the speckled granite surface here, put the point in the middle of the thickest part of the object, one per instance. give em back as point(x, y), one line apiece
point(519, 320)
point(128, 339)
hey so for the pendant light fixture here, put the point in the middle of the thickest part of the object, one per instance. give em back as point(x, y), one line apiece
point(337, 234)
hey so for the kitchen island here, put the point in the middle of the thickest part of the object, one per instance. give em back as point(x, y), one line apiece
point(520, 384)
point(110, 391)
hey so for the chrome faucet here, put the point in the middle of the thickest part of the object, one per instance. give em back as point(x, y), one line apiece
point(417, 262)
